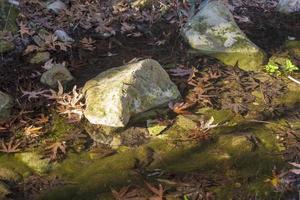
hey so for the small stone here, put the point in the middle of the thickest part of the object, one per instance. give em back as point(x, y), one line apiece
point(63, 36)
point(56, 6)
point(117, 94)
point(55, 74)
point(5, 105)
point(40, 57)
point(155, 128)
point(288, 6)
point(213, 31)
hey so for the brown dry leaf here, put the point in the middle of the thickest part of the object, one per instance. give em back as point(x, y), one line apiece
point(126, 194)
point(127, 27)
point(30, 49)
point(55, 149)
point(181, 108)
point(88, 44)
point(42, 119)
point(158, 192)
point(11, 147)
point(52, 42)
point(33, 131)
point(24, 30)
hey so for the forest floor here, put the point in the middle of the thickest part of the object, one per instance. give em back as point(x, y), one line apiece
point(246, 156)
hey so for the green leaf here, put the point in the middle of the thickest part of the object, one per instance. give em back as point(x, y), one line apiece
point(272, 68)
point(290, 67)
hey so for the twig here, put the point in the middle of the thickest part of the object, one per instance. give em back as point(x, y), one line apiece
point(294, 80)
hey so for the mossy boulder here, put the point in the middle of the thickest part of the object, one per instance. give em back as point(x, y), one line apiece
point(55, 74)
point(213, 31)
point(117, 94)
point(5, 105)
point(288, 6)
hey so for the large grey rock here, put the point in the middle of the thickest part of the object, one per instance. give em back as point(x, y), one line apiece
point(5, 105)
point(57, 73)
point(288, 6)
point(213, 31)
point(115, 95)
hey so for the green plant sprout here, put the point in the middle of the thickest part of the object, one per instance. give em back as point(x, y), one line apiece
point(286, 69)
point(273, 68)
point(290, 67)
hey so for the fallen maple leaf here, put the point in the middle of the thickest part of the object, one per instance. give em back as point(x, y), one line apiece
point(56, 149)
point(11, 147)
point(24, 30)
point(88, 43)
point(181, 108)
point(125, 194)
point(42, 119)
point(33, 131)
point(158, 192)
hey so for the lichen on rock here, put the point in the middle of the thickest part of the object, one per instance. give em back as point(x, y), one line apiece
point(213, 31)
point(116, 95)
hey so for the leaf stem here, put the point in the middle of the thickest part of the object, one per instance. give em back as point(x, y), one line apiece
point(294, 80)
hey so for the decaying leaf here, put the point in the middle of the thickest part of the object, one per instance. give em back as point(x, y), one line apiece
point(181, 108)
point(10, 147)
point(56, 149)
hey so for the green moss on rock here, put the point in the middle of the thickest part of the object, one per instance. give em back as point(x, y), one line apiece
point(34, 161)
point(213, 31)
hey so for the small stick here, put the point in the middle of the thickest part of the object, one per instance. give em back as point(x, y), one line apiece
point(294, 80)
